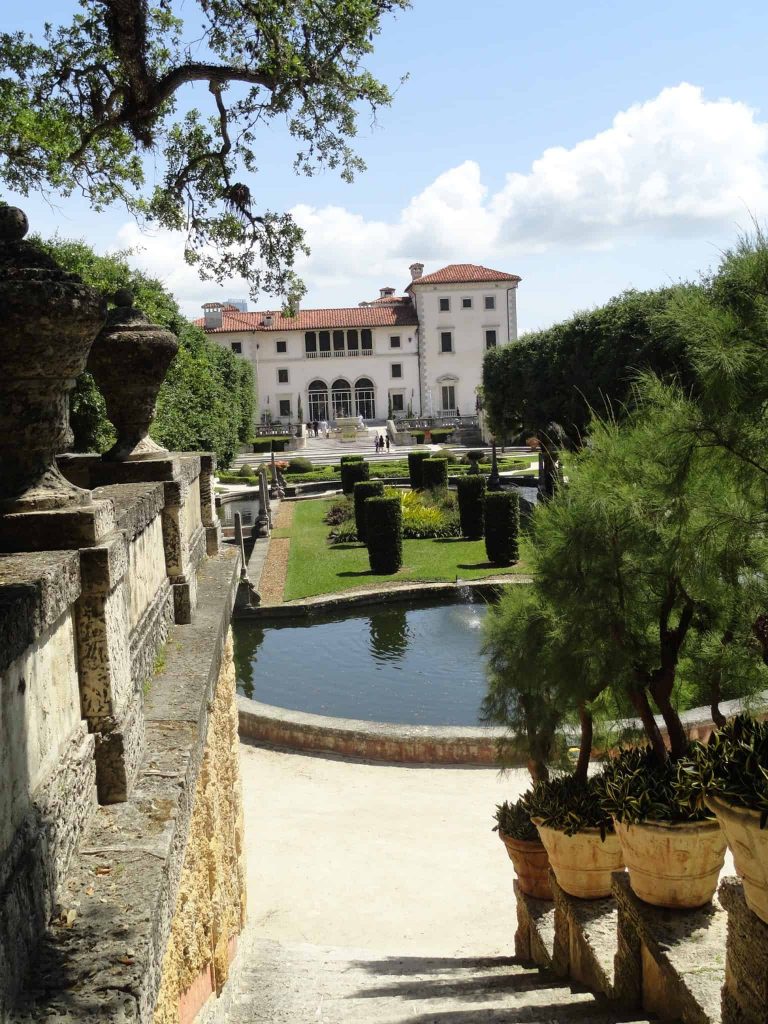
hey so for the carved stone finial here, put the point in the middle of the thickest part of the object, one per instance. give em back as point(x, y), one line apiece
point(13, 224)
point(123, 297)
point(49, 321)
point(129, 361)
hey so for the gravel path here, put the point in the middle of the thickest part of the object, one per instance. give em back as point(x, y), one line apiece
point(273, 575)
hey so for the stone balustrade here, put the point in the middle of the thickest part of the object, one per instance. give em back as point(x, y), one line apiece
point(99, 560)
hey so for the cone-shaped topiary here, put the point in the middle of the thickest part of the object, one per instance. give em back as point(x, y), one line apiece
point(434, 474)
point(415, 460)
point(471, 493)
point(502, 520)
point(363, 490)
point(384, 526)
point(352, 473)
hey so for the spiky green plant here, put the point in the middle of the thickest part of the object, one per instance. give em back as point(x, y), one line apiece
point(636, 787)
point(570, 805)
point(514, 820)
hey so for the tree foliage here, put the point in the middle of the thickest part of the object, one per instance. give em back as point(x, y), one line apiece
point(585, 365)
point(95, 105)
point(206, 401)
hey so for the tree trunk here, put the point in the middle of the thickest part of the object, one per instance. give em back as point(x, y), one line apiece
point(640, 703)
point(538, 769)
point(585, 744)
point(678, 740)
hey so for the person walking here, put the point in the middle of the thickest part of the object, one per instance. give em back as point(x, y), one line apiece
point(387, 442)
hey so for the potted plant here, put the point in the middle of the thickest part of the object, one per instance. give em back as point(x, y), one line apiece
point(524, 847)
point(672, 845)
point(577, 834)
point(730, 773)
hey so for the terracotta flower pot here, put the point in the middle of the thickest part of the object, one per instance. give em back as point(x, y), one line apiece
point(749, 846)
point(673, 864)
point(531, 865)
point(583, 863)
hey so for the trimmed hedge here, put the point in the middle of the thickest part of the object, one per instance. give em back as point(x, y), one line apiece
point(350, 458)
point(352, 473)
point(270, 444)
point(300, 465)
point(502, 522)
point(434, 474)
point(384, 524)
point(471, 493)
point(415, 459)
point(363, 490)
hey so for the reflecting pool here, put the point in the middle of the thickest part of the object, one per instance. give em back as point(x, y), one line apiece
point(411, 663)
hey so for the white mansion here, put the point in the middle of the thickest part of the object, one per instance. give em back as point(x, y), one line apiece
point(420, 354)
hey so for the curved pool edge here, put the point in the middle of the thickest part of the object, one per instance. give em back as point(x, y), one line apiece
point(370, 741)
point(376, 595)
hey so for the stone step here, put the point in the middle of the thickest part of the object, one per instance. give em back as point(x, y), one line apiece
point(307, 984)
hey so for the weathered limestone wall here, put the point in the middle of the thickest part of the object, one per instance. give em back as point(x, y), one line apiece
point(210, 908)
point(146, 570)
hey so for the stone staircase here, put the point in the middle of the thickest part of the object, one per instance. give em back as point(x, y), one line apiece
point(306, 984)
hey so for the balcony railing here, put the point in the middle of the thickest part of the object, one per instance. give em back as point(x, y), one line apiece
point(339, 353)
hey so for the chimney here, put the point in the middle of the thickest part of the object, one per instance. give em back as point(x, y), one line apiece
point(416, 269)
point(212, 315)
point(385, 293)
point(362, 303)
point(267, 321)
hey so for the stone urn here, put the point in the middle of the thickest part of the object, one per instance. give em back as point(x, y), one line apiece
point(129, 361)
point(584, 862)
point(673, 864)
point(48, 320)
point(748, 842)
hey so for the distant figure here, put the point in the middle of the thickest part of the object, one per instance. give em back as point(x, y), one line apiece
point(360, 421)
point(315, 426)
point(325, 428)
point(458, 414)
point(381, 442)
point(387, 442)
point(309, 429)
point(376, 443)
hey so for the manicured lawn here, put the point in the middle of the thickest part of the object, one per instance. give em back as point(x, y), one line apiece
point(315, 567)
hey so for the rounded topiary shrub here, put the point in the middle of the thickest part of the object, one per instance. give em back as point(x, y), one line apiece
point(362, 491)
point(502, 521)
point(471, 493)
point(384, 526)
point(299, 465)
point(350, 458)
point(246, 470)
point(352, 473)
point(434, 474)
point(415, 459)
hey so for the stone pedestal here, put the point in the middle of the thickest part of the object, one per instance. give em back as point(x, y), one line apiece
point(48, 788)
point(670, 962)
point(535, 935)
point(585, 939)
point(210, 518)
point(184, 536)
point(745, 992)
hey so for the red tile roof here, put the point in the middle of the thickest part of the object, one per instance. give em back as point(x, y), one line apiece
point(385, 315)
point(463, 273)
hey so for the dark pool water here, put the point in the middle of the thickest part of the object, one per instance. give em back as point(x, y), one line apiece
point(406, 663)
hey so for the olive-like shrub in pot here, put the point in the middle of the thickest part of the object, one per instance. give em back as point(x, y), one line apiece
point(524, 847)
point(673, 846)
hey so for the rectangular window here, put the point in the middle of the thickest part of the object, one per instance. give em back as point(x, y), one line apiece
point(466, 303)
point(366, 340)
point(449, 398)
point(398, 403)
point(352, 341)
point(285, 407)
point(338, 341)
point(394, 341)
point(445, 305)
point(237, 347)
point(490, 302)
point(397, 369)
point(282, 376)
point(282, 346)
point(490, 339)
point(246, 516)
point(325, 341)
point(446, 341)
point(310, 342)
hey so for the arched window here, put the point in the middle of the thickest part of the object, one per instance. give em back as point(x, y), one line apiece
point(318, 400)
point(365, 399)
point(341, 398)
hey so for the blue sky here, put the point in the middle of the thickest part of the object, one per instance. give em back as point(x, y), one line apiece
point(587, 148)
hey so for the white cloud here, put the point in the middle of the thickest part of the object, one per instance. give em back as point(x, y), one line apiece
point(675, 167)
